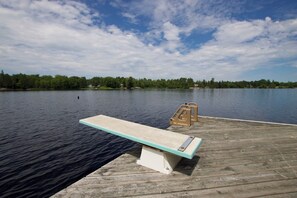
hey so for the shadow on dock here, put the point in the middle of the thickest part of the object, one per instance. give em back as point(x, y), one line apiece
point(187, 166)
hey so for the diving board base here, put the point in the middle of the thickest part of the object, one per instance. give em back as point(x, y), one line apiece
point(158, 160)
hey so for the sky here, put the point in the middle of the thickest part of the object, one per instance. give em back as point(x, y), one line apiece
point(202, 39)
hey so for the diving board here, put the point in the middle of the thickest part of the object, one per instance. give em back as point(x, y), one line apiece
point(162, 149)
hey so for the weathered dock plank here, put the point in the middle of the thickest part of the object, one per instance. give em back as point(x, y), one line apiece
point(236, 159)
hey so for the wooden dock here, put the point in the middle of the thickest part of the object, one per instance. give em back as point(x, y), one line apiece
point(236, 159)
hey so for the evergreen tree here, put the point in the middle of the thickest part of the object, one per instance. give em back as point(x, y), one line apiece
point(129, 83)
point(2, 79)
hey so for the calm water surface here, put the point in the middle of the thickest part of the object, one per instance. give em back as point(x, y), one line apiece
point(43, 148)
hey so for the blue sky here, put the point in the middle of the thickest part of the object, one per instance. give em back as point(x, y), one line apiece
point(225, 40)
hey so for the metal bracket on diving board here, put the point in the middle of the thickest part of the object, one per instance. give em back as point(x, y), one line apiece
point(186, 143)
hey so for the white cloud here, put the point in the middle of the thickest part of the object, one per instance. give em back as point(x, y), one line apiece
point(132, 18)
point(239, 31)
point(59, 38)
point(187, 15)
point(171, 36)
point(171, 32)
point(245, 46)
point(29, 44)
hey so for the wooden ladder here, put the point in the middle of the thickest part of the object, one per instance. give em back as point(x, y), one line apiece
point(185, 115)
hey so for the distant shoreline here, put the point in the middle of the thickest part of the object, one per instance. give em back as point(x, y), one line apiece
point(117, 89)
point(20, 82)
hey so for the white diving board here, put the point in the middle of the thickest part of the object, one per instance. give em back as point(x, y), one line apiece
point(162, 149)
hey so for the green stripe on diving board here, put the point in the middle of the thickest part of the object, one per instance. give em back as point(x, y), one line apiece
point(148, 143)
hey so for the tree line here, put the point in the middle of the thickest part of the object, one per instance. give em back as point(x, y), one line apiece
point(246, 84)
point(60, 82)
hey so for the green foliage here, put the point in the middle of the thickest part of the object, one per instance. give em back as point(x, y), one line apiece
point(59, 82)
point(262, 84)
point(1, 79)
point(129, 83)
point(23, 81)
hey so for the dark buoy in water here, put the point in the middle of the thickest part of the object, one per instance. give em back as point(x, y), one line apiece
point(78, 97)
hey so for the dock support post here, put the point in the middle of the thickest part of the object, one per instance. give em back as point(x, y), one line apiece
point(158, 160)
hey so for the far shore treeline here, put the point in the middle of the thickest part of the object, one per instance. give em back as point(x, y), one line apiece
point(59, 82)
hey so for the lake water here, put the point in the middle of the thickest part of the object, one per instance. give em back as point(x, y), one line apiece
point(43, 148)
